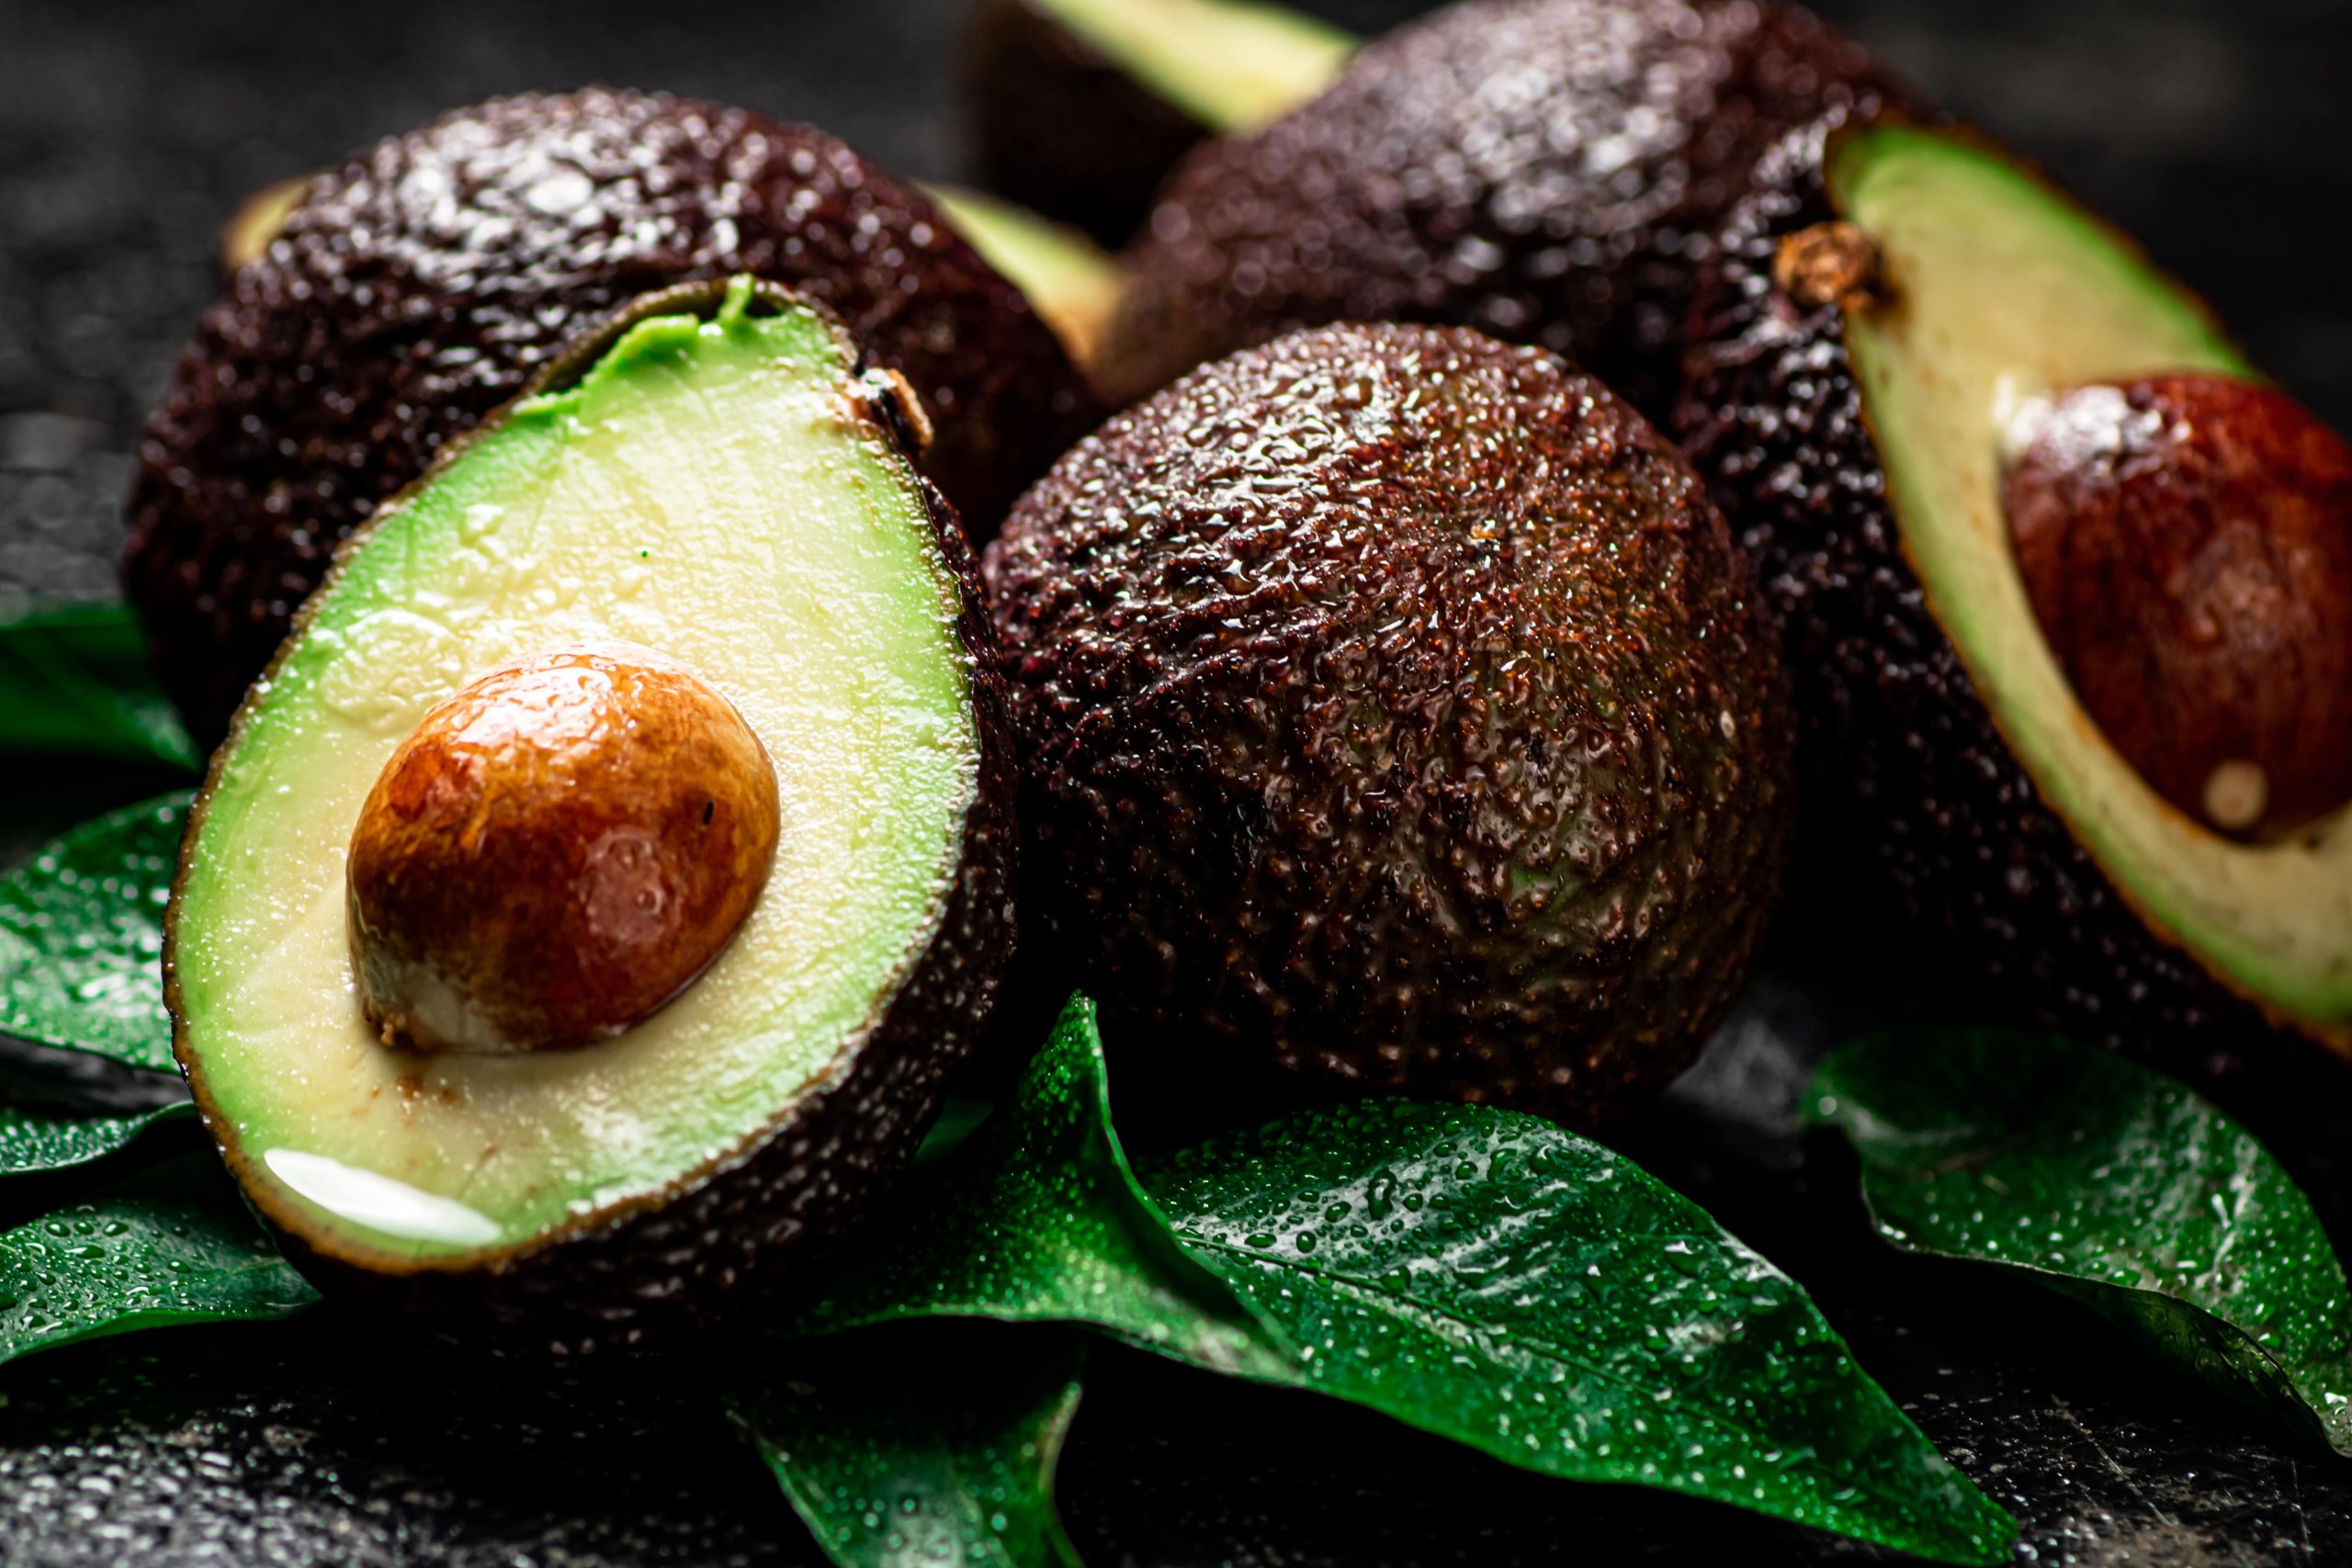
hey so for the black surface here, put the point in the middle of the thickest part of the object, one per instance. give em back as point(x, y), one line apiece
point(2221, 132)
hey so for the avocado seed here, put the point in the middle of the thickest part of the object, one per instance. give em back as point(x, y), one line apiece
point(2186, 543)
point(556, 853)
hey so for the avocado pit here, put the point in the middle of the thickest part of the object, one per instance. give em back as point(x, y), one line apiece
point(2186, 544)
point(555, 853)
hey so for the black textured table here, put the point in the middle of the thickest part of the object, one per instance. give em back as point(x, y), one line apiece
point(2221, 133)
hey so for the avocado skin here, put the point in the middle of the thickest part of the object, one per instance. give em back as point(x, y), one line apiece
point(421, 283)
point(1300, 726)
point(695, 1254)
point(1061, 129)
point(1912, 795)
point(1482, 168)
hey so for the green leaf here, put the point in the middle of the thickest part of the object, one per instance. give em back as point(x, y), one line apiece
point(1493, 1279)
point(81, 936)
point(916, 1448)
point(1036, 1218)
point(32, 1141)
point(2115, 1186)
point(1486, 1276)
point(170, 1244)
point(73, 678)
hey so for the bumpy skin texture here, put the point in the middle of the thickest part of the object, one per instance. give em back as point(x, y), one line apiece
point(1397, 715)
point(1061, 129)
point(1543, 169)
point(1911, 792)
point(426, 281)
point(685, 1258)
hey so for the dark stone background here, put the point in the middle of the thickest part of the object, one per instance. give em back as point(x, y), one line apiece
point(2219, 131)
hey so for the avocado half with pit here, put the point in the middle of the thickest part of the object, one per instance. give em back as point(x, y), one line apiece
point(567, 1058)
point(1904, 329)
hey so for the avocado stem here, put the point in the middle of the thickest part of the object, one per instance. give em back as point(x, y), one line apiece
point(1829, 263)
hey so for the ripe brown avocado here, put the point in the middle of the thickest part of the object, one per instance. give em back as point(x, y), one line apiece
point(542, 1193)
point(1887, 324)
point(428, 278)
point(1543, 169)
point(1396, 716)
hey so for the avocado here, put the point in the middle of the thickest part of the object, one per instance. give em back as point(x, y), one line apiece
point(1545, 171)
point(1887, 318)
point(1067, 279)
point(1079, 108)
point(1396, 716)
point(714, 492)
point(423, 282)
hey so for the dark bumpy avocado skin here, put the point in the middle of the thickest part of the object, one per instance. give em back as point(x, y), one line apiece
point(1396, 710)
point(692, 1255)
point(1908, 784)
point(1543, 169)
point(424, 282)
point(1061, 129)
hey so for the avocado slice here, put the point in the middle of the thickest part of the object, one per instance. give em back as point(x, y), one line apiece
point(724, 479)
point(425, 280)
point(1859, 426)
point(1397, 716)
point(1078, 107)
point(1545, 171)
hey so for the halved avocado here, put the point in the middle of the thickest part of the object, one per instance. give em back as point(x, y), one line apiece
point(1067, 279)
point(720, 479)
point(1855, 416)
point(1078, 107)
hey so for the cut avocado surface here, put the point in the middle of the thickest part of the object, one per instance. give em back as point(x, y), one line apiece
point(731, 492)
point(1998, 291)
point(1230, 64)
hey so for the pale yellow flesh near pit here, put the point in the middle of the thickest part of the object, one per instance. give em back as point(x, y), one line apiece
point(711, 491)
point(1231, 65)
point(2001, 292)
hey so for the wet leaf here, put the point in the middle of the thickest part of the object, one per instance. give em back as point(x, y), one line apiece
point(1034, 1217)
point(81, 936)
point(1481, 1275)
point(34, 1141)
point(2115, 1186)
point(171, 1245)
point(929, 1447)
point(73, 678)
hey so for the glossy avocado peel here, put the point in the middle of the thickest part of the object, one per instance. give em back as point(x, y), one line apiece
point(1545, 171)
point(716, 478)
point(1397, 718)
point(402, 295)
point(1955, 298)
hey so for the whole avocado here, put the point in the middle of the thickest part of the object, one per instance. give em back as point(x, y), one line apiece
point(426, 280)
point(1916, 798)
point(1396, 716)
point(1546, 171)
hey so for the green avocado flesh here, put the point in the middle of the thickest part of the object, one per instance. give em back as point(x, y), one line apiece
point(1998, 292)
point(718, 490)
point(1231, 65)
